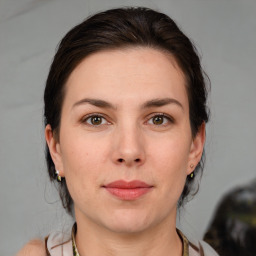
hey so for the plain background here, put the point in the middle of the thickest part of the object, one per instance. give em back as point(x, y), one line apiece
point(224, 32)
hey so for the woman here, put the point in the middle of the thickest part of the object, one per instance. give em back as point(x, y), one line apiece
point(125, 114)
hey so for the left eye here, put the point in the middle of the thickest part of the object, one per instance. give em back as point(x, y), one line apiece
point(95, 120)
point(159, 120)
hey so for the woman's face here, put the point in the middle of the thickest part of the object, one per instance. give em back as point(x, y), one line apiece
point(125, 146)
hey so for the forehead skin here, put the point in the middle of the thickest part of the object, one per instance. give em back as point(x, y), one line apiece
point(130, 66)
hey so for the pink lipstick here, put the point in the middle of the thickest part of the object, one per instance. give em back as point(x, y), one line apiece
point(128, 190)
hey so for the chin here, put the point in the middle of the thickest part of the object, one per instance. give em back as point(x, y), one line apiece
point(127, 228)
point(129, 223)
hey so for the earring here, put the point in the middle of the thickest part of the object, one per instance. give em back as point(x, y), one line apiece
point(58, 176)
point(191, 175)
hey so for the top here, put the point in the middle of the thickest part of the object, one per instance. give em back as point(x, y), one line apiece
point(62, 244)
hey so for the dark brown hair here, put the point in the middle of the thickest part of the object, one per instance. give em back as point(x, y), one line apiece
point(115, 29)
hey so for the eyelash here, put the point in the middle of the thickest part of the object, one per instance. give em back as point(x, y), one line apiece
point(162, 115)
point(88, 117)
point(154, 115)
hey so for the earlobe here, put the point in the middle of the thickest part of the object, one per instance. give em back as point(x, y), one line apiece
point(196, 150)
point(54, 148)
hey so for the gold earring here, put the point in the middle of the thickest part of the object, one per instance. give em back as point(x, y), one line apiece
point(191, 175)
point(58, 175)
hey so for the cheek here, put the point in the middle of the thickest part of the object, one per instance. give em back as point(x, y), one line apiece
point(169, 161)
point(81, 157)
point(171, 153)
point(82, 152)
point(81, 170)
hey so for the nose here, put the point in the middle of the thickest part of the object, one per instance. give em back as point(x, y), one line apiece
point(128, 147)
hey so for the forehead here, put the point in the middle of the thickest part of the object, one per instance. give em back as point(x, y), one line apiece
point(126, 72)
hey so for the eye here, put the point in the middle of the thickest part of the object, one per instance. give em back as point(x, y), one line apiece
point(95, 120)
point(160, 119)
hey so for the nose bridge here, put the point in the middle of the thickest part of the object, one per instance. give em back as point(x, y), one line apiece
point(129, 146)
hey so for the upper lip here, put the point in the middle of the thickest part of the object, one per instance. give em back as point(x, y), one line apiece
point(122, 184)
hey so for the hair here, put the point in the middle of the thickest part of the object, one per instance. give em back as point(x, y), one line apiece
point(117, 29)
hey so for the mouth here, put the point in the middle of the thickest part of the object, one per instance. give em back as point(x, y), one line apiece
point(128, 191)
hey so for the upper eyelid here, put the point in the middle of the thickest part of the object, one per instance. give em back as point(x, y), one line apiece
point(94, 114)
point(161, 114)
point(86, 117)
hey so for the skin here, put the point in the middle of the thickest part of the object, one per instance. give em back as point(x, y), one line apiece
point(34, 247)
point(131, 141)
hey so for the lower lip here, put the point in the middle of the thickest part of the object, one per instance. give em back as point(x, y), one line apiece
point(128, 193)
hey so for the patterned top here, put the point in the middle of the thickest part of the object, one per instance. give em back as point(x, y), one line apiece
point(61, 244)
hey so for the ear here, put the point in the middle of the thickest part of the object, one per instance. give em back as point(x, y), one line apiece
point(54, 148)
point(196, 149)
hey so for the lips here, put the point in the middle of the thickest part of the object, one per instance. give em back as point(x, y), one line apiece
point(128, 190)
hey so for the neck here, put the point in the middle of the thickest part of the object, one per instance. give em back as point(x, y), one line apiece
point(161, 240)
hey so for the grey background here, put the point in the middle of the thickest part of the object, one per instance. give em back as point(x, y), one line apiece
point(225, 34)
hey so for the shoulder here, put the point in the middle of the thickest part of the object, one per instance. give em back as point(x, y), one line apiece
point(195, 247)
point(33, 248)
point(201, 248)
point(207, 249)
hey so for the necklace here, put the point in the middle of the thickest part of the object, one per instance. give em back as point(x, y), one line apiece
point(183, 238)
point(75, 251)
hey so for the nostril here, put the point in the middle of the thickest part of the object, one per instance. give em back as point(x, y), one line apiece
point(121, 160)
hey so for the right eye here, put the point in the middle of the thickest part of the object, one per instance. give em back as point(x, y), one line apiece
point(95, 120)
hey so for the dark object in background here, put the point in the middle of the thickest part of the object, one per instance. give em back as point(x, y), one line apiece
point(233, 228)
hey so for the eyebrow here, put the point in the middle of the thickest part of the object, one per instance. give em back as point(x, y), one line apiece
point(161, 102)
point(94, 102)
point(148, 104)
